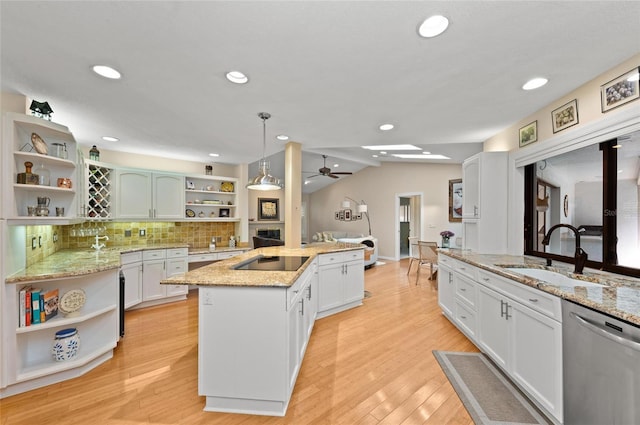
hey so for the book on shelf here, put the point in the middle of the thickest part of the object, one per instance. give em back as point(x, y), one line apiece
point(27, 303)
point(35, 306)
point(22, 306)
point(49, 304)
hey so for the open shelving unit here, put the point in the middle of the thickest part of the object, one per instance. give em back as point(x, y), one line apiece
point(207, 196)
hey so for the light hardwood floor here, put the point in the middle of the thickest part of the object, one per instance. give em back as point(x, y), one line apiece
point(369, 365)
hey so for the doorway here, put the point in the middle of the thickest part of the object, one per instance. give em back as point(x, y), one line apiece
point(408, 221)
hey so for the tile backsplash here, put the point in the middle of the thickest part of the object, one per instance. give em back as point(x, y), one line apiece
point(196, 235)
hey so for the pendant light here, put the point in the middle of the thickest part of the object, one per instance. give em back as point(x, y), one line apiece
point(264, 180)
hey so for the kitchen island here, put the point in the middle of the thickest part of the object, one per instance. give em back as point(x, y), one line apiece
point(254, 325)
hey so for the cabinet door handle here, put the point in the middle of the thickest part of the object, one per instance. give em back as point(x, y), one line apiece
point(506, 310)
point(309, 292)
point(302, 307)
point(486, 279)
point(463, 317)
point(475, 210)
point(533, 300)
point(463, 289)
point(150, 213)
point(502, 303)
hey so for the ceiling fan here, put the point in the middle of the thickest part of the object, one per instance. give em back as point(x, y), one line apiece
point(325, 171)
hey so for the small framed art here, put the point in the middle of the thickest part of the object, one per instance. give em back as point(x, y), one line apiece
point(565, 116)
point(529, 134)
point(455, 200)
point(620, 91)
point(268, 209)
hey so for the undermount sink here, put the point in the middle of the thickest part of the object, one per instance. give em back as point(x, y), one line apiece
point(553, 278)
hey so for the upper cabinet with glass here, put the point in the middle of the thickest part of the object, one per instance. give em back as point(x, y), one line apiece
point(39, 171)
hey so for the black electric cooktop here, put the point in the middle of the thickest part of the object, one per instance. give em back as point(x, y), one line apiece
point(275, 263)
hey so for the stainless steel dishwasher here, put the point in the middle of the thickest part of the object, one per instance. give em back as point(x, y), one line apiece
point(601, 362)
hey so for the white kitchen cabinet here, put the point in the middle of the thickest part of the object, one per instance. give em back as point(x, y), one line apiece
point(18, 150)
point(176, 265)
point(517, 326)
point(131, 268)
point(157, 265)
point(521, 330)
point(457, 293)
point(153, 271)
point(210, 198)
point(27, 360)
point(446, 288)
point(251, 367)
point(493, 325)
point(340, 281)
point(145, 195)
point(471, 187)
point(484, 210)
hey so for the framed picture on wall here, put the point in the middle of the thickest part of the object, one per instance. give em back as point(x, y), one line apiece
point(620, 90)
point(455, 200)
point(268, 209)
point(529, 134)
point(224, 212)
point(565, 116)
point(347, 215)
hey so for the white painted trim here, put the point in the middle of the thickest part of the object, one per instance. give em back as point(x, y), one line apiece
point(610, 126)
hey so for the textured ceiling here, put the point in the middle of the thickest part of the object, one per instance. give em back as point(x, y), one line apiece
point(329, 72)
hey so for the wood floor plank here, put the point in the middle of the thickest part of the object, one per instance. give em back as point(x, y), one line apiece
point(369, 365)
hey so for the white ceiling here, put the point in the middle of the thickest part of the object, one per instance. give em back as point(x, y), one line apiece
point(329, 72)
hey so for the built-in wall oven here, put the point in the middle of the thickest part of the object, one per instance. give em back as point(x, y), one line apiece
point(601, 363)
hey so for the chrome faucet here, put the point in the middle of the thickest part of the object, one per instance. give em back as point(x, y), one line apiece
point(98, 246)
point(580, 257)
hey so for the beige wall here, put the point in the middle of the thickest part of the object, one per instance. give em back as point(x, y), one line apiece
point(589, 110)
point(378, 187)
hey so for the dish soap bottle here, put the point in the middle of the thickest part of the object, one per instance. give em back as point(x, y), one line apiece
point(212, 244)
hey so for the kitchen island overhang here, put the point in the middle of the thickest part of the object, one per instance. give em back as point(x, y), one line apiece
point(254, 326)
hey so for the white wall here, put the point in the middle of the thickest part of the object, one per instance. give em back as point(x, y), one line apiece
point(378, 187)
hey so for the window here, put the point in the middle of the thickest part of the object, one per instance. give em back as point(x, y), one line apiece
point(595, 190)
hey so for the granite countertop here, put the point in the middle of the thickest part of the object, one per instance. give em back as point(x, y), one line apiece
point(221, 273)
point(618, 297)
point(78, 262)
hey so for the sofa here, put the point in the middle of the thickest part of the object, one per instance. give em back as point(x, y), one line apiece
point(371, 250)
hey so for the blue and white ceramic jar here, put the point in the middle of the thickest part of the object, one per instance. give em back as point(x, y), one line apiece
point(65, 345)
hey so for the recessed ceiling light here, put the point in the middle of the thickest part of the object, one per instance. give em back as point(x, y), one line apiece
point(214, 154)
point(282, 137)
point(426, 153)
point(307, 181)
point(392, 148)
point(110, 139)
point(433, 26)
point(336, 165)
point(375, 156)
point(418, 156)
point(383, 152)
point(386, 127)
point(237, 77)
point(534, 83)
point(107, 72)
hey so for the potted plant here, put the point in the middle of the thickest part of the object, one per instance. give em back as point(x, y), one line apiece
point(446, 235)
